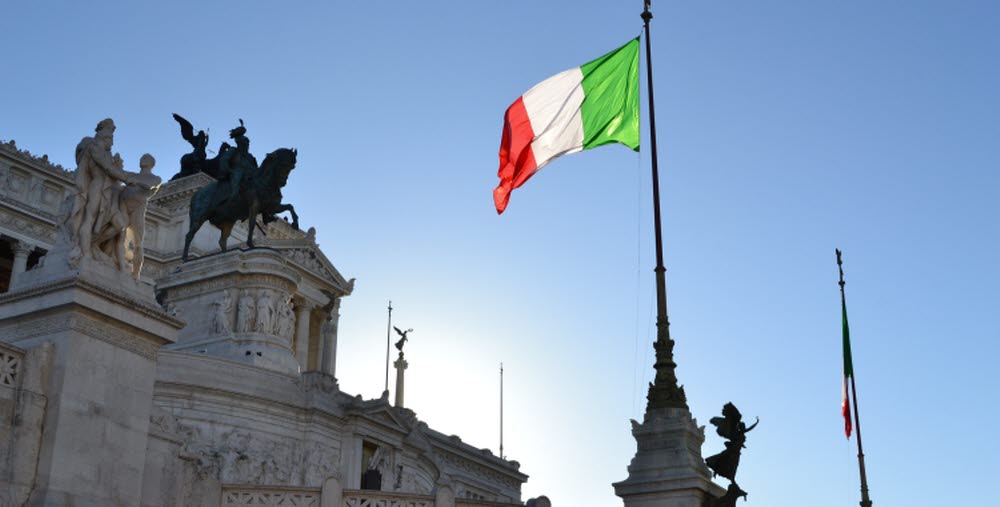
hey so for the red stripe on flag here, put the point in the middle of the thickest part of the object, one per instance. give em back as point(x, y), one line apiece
point(517, 160)
point(845, 408)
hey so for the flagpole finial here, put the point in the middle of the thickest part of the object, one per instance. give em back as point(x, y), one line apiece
point(840, 267)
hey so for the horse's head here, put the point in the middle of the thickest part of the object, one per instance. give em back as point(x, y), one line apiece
point(277, 165)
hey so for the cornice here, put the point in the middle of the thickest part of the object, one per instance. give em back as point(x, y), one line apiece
point(10, 148)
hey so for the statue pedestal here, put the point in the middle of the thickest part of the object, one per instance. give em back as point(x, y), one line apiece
point(104, 329)
point(667, 470)
point(256, 324)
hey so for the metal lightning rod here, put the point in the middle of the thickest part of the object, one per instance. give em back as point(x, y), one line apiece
point(388, 330)
point(501, 411)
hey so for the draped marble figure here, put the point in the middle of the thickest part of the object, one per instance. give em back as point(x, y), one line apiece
point(108, 201)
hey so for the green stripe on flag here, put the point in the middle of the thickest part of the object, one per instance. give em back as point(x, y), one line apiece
point(610, 109)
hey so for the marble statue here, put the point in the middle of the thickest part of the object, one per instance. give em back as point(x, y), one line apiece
point(244, 314)
point(131, 214)
point(95, 221)
point(265, 314)
point(220, 317)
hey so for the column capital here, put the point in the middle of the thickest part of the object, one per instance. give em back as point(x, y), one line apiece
point(302, 304)
point(22, 247)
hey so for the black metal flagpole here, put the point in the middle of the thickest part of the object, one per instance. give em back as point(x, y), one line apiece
point(664, 392)
point(865, 500)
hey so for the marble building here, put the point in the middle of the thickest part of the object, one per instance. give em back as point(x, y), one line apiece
point(206, 383)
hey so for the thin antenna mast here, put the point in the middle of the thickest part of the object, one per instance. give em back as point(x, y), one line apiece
point(388, 330)
point(501, 411)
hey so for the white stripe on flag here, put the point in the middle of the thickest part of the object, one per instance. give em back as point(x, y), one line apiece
point(553, 106)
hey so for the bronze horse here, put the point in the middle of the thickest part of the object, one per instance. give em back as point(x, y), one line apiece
point(259, 194)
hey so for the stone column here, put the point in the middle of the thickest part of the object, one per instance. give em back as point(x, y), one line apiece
point(22, 250)
point(332, 493)
point(329, 337)
point(444, 495)
point(302, 314)
point(400, 365)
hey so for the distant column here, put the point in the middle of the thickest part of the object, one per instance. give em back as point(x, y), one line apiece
point(400, 365)
point(22, 250)
point(329, 337)
point(302, 314)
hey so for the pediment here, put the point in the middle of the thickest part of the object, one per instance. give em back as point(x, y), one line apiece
point(380, 412)
point(311, 259)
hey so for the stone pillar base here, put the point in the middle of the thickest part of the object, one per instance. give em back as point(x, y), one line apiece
point(104, 339)
point(667, 470)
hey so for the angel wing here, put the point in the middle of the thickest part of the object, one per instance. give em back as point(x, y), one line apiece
point(187, 130)
point(400, 333)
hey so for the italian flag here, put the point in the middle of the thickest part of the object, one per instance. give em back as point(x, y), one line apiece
point(845, 404)
point(589, 106)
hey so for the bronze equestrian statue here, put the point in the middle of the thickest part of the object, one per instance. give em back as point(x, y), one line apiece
point(243, 191)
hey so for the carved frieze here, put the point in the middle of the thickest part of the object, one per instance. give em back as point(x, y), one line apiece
point(243, 456)
point(27, 226)
point(476, 470)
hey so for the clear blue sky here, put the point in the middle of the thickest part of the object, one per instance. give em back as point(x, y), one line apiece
point(787, 129)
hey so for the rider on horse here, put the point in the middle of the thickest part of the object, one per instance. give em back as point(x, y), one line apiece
point(234, 163)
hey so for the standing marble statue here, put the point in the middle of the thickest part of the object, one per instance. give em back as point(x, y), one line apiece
point(244, 314)
point(220, 317)
point(131, 214)
point(265, 312)
point(102, 208)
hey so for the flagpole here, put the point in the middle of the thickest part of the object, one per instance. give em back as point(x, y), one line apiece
point(501, 411)
point(664, 391)
point(865, 501)
point(388, 336)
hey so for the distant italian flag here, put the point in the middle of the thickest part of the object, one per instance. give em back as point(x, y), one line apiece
point(589, 106)
point(845, 401)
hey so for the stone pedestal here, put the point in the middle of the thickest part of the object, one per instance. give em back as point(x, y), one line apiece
point(104, 330)
point(667, 470)
point(238, 306)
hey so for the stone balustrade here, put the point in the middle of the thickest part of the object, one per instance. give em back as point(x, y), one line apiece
point(233, 496)
point(10, 364)
point(280, 496)
point(366, 498)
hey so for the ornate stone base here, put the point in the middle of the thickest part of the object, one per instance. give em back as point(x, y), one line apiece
point(104, 338)
point(667, 470)
point(239, 307)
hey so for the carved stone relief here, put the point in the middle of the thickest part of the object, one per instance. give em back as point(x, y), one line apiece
point(220, 314)
point(245, 313)
point(265, 312)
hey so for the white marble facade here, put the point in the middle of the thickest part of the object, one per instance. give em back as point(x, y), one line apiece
point(236, 378)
